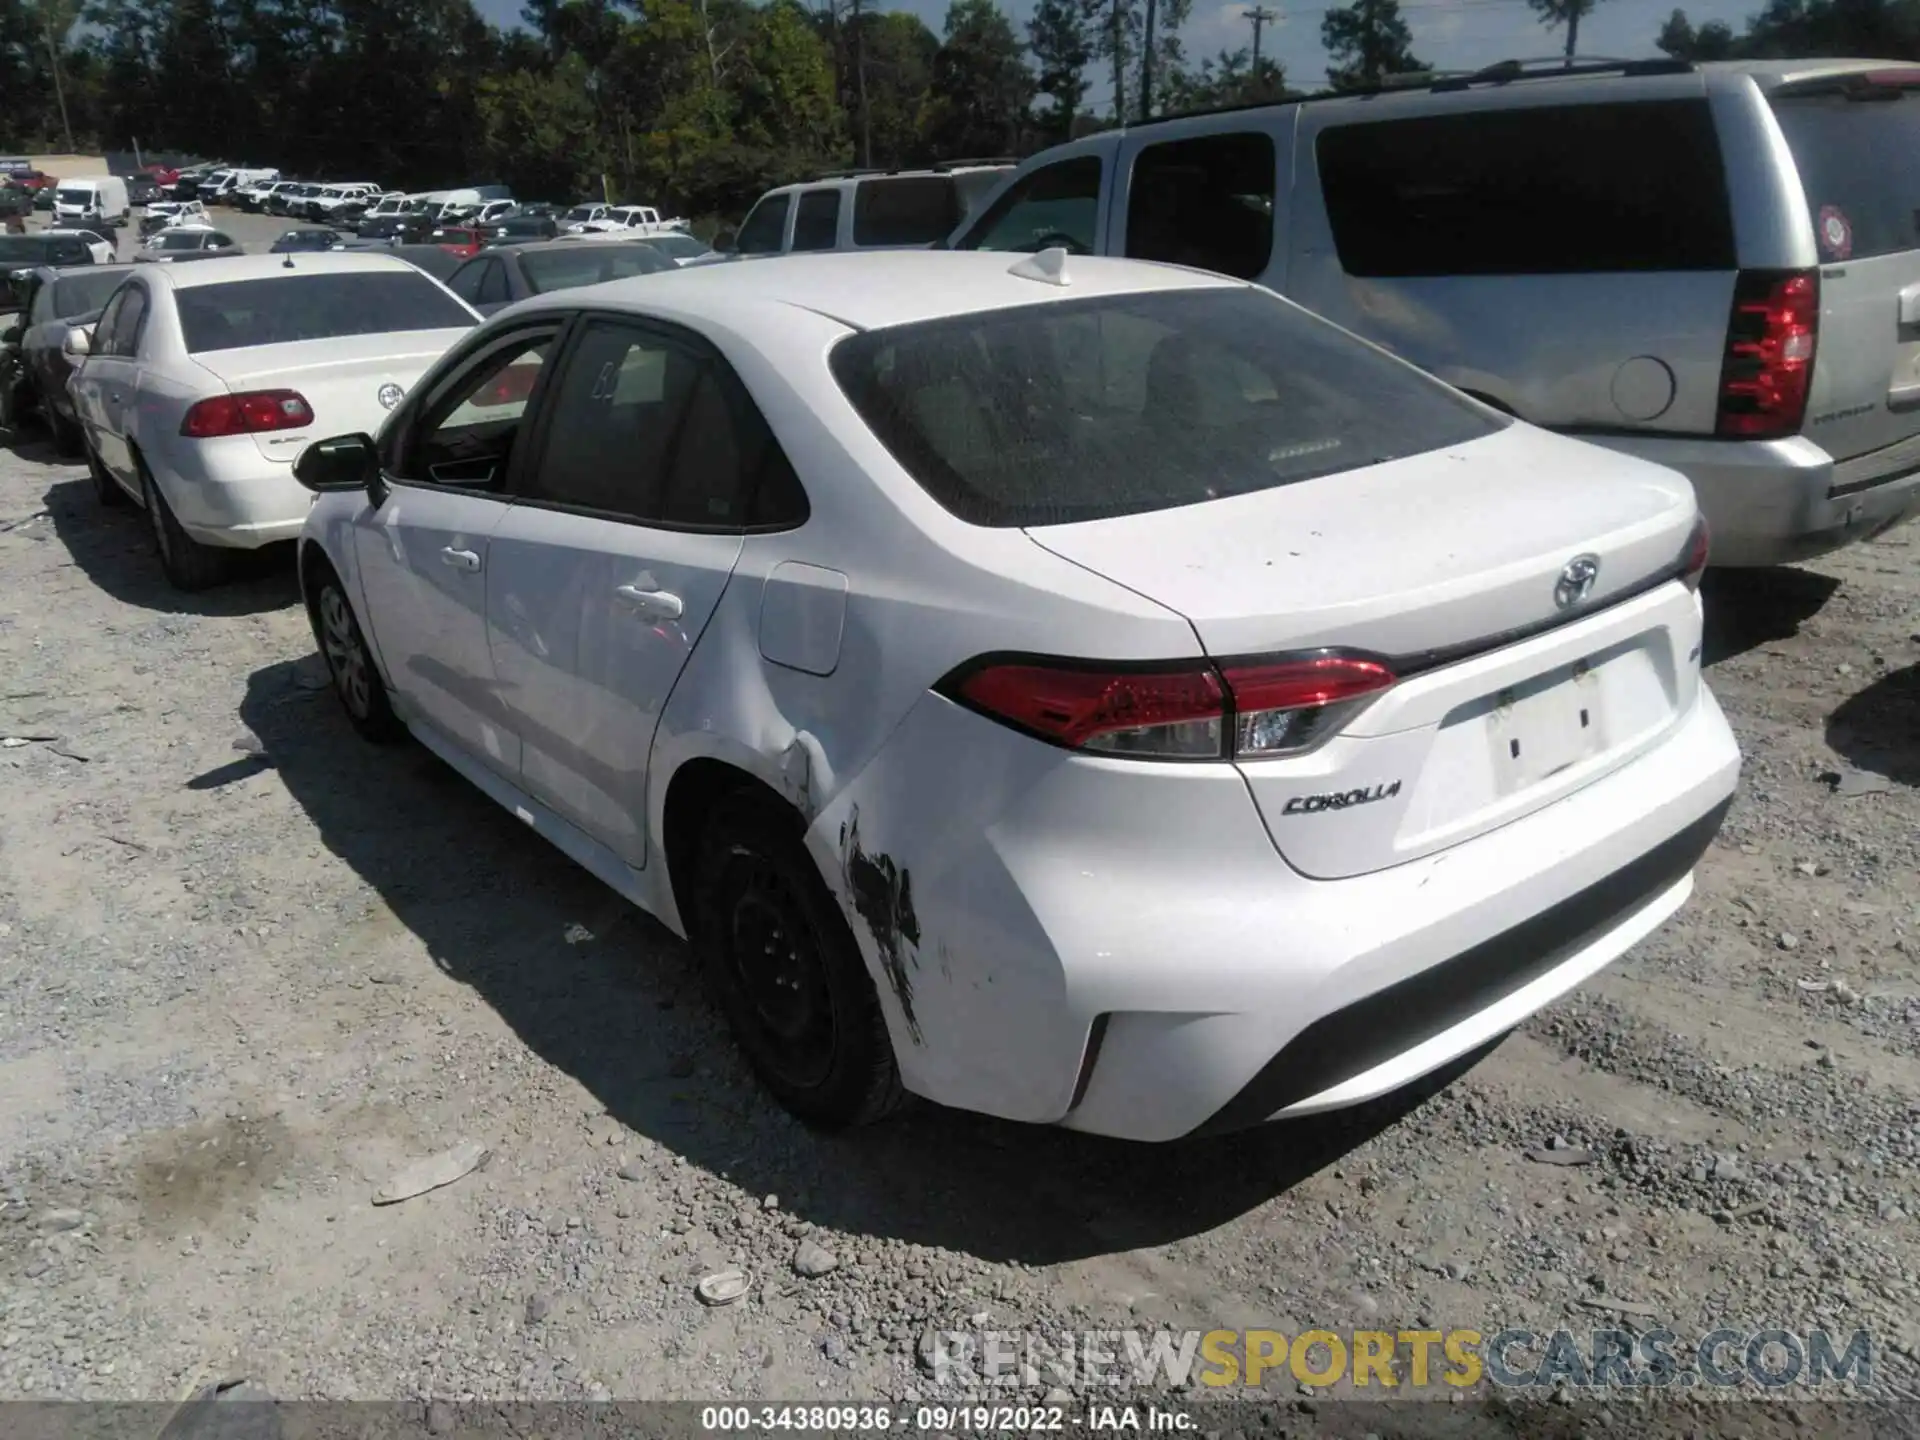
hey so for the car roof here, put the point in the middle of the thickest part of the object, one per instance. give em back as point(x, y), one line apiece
point(1772, 74)
point(268, 267)
point(874, 289)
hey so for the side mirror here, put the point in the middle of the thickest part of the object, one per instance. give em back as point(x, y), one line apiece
point(345, 462)
point(78, 343)
point(724, 241)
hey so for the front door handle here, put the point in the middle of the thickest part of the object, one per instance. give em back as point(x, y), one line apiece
point(657, 603)
point(460, 559)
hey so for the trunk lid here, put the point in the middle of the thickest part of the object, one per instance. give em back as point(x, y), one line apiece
point(1449, 565)
point(341, 379)
point(1855, 140)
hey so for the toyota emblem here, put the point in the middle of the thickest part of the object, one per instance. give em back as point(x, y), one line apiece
point(1576, 581)
point(390, 394)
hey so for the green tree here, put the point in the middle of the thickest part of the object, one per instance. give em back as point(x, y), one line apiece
point(1064, 36)
point(539, 133)
point(1232, 77)
point(1564, 15)
point(1712, 41)
point(978, 101)
point(1367, 40)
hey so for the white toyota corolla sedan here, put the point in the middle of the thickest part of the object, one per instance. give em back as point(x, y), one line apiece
point(200, 384)
point(1079, 690)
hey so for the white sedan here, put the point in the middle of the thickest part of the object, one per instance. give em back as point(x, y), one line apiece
point(99, 246)
point(1083, 691)
point(200, 384)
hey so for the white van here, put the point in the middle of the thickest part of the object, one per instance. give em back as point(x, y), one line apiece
point(226, 184)
point(90, 202)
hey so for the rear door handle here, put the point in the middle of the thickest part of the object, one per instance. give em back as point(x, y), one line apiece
point(657, 603)
point(460, 559)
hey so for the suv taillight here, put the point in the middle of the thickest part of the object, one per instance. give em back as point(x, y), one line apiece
point(1183, 711)
point(1769, 357)
point(247, 413)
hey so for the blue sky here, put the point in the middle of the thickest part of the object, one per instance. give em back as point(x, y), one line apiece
point(1451, 34)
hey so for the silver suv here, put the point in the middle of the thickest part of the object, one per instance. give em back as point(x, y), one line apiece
point(868, 209)
point(1716, 267)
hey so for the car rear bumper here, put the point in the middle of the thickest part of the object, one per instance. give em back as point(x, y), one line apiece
point(1065, 960)
point(1773, 502)
point(228, 494)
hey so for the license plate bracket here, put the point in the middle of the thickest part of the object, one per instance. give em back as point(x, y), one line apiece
point(1539, 730)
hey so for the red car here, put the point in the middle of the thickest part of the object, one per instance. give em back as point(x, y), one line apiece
point(35, 180)
point(164, 176)
point(460, 240)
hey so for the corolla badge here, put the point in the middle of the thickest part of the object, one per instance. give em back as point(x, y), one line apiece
point(1576, 581)
point(390, 395)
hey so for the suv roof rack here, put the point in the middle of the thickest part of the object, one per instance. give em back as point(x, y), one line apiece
point(1501, 72)
point(853, 174)
point(941, 166)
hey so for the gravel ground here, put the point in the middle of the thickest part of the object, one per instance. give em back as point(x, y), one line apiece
point(250, 968)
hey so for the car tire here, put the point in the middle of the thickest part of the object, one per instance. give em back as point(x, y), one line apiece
point(67, 439)
point(807, 1018)
point(343, 645)
point(189, 565)
point(106, 490)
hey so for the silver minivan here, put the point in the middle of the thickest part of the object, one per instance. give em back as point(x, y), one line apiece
point(1714, 266)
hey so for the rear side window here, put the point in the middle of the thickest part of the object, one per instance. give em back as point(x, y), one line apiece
point(1575, 189)
point(1858, 154)
point(1079, 410)
point(578, 265)
point(1058, 204)
point(280, 311)
point(816, 224)
point(763, 230)
point(1206, 202)
point(904, 210)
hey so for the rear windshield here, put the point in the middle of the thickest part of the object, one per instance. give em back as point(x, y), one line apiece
point(239, 313)
point(589, 265)
point(182, 240)
point(1858, 155)
point(77, 294)
point(1079, 410)
point(908, 210)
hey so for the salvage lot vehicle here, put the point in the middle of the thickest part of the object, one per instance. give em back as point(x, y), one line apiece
point(57, 300)
point(1705, 266)
point(201, 384)
point(186, 243)
point(854, 648)
point(504, 274)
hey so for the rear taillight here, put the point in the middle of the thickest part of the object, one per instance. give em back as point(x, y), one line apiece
point(1192, 711)
point(1769, 358)
point(247, 413)
point(1699, 546)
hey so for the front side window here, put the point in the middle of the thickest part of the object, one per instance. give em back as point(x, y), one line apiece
point(649, 428)
point(132, 324)
point(816, 224)
point(1205, 202)
point(106, 327)
point(1552, 190)
point(466, 436)
point(905, 210)
point(76, 294)
point(1058, 204)
point(465, 282)
point(762, 232)
point(1079, 410)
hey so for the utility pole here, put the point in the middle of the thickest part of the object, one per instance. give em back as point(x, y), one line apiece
point(59, 89)
point(1119, 64)
point(1146, 69)
point(1261, 18)
point(860, 81)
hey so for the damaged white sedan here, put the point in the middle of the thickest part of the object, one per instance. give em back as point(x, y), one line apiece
point(1079, 690)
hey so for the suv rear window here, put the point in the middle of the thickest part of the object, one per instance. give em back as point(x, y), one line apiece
point(1084, 409)
point(905, 210)
point(1554, 190)
point(240, 313)
point(1858, 154)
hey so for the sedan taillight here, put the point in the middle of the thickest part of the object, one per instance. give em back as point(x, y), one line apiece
point(248, 413)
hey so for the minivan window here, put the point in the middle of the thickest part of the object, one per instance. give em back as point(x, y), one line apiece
point(1078, 410)
point(765, 227)
point(1858, 154)
point(1205, 202)
point(1541, 190)
point(1057, 204)
point(904, 210)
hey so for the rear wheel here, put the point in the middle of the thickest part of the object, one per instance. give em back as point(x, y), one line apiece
point(356, 680)
point(786, 971)
point(188, 564)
